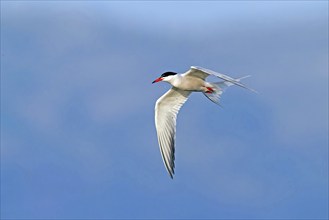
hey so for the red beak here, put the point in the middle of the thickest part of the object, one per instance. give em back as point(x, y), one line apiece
point(158, 80)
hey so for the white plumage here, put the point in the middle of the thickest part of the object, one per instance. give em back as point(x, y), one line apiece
point(169, 104)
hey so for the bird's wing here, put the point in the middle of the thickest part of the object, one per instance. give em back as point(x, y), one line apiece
point(203, 73)
point(166, 110)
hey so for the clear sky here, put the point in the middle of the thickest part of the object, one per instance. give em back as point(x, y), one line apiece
point(77, 110)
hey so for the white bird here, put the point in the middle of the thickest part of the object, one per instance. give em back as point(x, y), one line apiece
point(168, 105)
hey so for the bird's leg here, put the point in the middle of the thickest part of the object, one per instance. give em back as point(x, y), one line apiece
point(209, 90)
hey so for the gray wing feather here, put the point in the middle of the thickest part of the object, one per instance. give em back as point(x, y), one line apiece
point(166, 110)
point(203, 73)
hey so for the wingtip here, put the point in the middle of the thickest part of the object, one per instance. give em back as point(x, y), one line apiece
point(253, 90)
point(243, 85)
point(243, 77)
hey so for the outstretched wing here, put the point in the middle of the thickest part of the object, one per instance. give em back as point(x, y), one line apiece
point(166, 110)
point(219, 89)
point(203, 73)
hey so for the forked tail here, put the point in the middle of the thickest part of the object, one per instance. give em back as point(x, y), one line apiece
point(218, 89)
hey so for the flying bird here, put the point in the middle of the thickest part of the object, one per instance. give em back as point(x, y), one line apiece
point(169, 104)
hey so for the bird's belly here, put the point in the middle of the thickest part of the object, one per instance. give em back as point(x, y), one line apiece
point(191, 85)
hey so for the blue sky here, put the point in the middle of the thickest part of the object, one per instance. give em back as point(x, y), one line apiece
point(77, 110)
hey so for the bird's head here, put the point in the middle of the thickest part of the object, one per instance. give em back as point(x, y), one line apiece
point(167, 77)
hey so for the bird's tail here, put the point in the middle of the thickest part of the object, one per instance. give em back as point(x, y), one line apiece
point(218, 89)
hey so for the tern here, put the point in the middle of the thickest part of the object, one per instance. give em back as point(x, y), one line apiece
point(169, 104)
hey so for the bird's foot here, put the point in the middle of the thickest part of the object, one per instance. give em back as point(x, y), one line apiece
point(209, 90)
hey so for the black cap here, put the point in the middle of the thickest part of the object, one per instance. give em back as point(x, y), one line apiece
point(168, 74)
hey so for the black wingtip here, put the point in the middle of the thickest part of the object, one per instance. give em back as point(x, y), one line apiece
point(171, 173)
